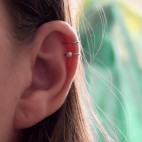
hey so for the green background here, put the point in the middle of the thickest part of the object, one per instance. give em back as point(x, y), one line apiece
point(111, 35)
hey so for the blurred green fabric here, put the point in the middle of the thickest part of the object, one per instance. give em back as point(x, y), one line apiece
point(113, 47)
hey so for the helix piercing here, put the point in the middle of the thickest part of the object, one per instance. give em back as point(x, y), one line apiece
point(76, 42)
point(70, 54)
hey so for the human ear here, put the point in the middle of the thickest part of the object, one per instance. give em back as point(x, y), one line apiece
point(52, 73)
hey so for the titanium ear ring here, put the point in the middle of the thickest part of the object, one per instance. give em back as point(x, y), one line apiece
point(76, 42)
point(70, 54)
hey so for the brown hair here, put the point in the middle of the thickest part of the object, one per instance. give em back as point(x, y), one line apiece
point(68, 123)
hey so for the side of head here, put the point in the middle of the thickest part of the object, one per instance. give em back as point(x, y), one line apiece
point(39, 100)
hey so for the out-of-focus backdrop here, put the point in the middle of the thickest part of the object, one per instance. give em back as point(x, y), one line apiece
point(111, 35)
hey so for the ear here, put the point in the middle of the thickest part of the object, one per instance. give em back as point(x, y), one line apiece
point(52, 73)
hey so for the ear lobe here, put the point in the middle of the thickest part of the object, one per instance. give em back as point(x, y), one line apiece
point(52, 74)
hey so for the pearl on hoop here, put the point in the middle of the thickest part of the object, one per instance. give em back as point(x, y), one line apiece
point(70, 54)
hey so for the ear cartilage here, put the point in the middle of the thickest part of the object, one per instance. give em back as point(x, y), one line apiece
point(70, 54)
point(76, 42)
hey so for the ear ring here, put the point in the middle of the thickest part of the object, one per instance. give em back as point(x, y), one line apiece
point(70, 54)
point(76, 42)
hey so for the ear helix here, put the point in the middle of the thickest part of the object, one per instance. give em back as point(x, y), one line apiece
point(70, 54)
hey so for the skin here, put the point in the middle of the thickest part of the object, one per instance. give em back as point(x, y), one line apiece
point(33, 83)
point(11, 85)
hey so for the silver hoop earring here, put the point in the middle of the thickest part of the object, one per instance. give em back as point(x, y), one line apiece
point(76, 42)
point(70, 54)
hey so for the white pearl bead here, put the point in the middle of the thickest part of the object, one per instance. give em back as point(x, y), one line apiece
point(69, 54)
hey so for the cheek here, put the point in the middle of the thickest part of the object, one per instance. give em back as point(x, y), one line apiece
point(9, 87)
